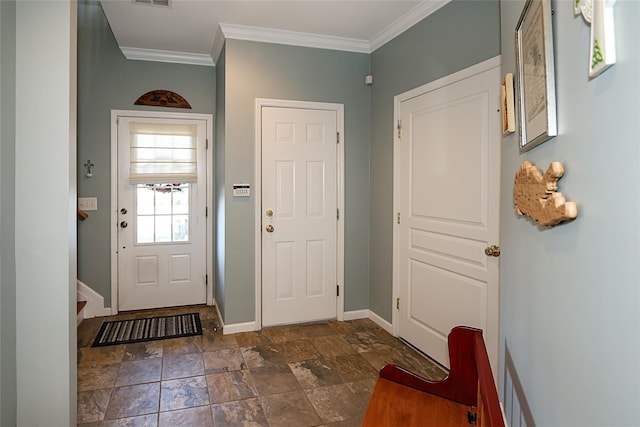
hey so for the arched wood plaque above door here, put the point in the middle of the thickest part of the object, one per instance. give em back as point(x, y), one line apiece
point(163, 98)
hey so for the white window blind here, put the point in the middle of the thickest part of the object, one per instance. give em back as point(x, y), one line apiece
point(163, 153)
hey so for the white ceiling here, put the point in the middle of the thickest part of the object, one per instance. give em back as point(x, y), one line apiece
point(193, 31)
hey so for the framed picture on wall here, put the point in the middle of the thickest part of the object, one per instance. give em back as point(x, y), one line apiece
point(508, 116)
point(535, 74)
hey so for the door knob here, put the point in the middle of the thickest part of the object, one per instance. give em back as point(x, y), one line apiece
point(123, 224)
point(270, 228)
point(493, 250)
point(123, 211)
point(269, 213)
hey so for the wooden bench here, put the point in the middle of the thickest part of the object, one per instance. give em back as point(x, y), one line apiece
point(466, 397)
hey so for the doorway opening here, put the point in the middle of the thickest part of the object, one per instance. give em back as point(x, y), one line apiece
point(161, 233)
point(299, 240)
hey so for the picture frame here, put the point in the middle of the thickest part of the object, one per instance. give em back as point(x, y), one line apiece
point(535, 74)
point(602, 47)
point(508, 105)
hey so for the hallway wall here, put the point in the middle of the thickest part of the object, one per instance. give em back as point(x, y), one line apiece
point(45, 206)
point(8, 395)
point(106, 81)
point(263, 70)
point(460, 34)
point(570, 301)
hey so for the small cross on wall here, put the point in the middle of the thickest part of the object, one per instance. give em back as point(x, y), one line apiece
point(88, 165)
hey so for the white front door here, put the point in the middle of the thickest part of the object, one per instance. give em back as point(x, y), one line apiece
point(447, 180)
point(299, 215)
point(161, 240)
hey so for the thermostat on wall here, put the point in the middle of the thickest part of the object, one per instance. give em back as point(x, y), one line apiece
point(241, 190)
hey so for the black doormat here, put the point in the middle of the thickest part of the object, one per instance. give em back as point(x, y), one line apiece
point(149, 329)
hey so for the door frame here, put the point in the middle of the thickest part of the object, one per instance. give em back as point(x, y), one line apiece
point(307, 105)
point(208, 118)
point(397, 100)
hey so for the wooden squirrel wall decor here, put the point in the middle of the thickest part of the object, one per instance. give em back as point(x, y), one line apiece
point(535, 195)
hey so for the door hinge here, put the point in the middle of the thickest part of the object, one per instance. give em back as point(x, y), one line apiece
point(337, 137)
point(206, 279)
point(397, 303)
point(398, 218)
point(337, 290)
point(337, 213)
point(206, 211)
point(472, 418)
point(206, 144)
point(399, 129)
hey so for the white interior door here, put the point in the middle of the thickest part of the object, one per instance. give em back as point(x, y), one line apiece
point(161, 224)
point(299, 215)
point(448, 184)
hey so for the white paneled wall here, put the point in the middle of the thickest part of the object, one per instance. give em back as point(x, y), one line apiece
point(516, 409)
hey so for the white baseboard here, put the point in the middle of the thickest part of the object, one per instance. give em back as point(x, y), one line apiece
point(234, 328)
point(387, 326)
point(80, 317)
point(356, 314)
point(219, 316)
point(368, 314)
point(95, 302)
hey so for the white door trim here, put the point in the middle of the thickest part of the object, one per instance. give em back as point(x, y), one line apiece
point(397, 100)
point(339, 109)
point(208, 118)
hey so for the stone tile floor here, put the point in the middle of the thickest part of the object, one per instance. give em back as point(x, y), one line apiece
point(319, 374)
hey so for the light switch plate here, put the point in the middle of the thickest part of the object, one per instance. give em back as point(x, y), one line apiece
point(88, 203)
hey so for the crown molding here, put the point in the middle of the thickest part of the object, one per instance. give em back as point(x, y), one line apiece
point(268, 35)
point(167, 56)
point(293, 38)
point(402, 24)
point(218, 44)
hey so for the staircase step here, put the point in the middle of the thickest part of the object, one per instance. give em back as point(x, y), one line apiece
point(81, 305)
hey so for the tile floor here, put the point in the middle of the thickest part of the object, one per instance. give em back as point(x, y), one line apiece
point(319, 374)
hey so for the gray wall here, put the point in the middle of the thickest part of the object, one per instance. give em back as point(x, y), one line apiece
point(570, 294)
point(261, 70)
point(45, 222)
point(219, 260)
point(106, 81)
point(8, 396)
point(458, 35)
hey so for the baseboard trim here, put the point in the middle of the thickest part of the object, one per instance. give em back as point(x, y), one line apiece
point(356, 314)
point(80, 317)
point(95, 302)
point(387, 326)
point(219, 315)
point(235, 328)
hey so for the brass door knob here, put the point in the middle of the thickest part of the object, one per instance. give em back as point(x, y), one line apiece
point(269, 213)
point(493, 250)
point(270, 228)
